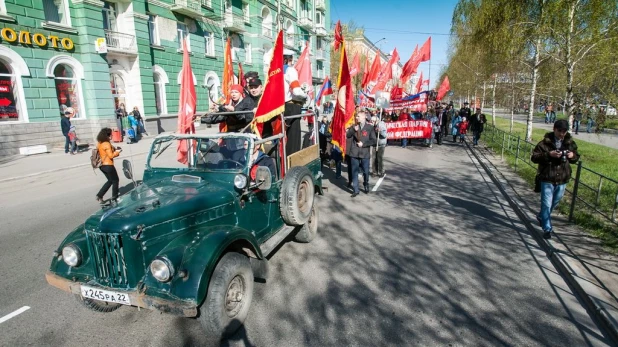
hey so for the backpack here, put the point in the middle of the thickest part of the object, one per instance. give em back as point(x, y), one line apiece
point(95, 159)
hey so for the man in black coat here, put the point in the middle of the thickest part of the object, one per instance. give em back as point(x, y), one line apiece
point(65, 126)
point(363, 138)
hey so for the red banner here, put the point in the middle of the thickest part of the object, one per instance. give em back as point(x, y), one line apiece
point(410, 129)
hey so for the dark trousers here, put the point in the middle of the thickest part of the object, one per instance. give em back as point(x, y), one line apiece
point(576, 126)
point(378, 160)
point(112, 181)
point(67, 143)
point(294, 137)
point(348, 162)
point(360, 163)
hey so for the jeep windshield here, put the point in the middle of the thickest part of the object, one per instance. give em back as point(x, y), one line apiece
point(220, 152)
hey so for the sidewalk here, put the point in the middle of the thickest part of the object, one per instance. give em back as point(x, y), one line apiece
point(56, 160)
point(604, 139)
point(588, 268)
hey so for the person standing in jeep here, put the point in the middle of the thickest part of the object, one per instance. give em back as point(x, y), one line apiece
point(553, 154)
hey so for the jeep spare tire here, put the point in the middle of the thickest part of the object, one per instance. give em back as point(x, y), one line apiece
point(297, 196)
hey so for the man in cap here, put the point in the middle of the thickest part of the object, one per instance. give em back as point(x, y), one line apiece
point(465, 111)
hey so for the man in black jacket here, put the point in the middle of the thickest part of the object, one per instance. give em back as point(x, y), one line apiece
point(363, 137)
point(554, 154)
point(65, 126)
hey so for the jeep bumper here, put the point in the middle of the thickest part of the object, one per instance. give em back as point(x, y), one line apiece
point(175, 307)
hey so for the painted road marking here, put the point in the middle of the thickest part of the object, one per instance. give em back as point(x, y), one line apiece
point(13, 314)
point(375, 188)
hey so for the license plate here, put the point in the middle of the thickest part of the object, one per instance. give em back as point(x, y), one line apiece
point(105, 295)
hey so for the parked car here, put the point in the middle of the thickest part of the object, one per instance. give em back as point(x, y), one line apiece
point(192, 237)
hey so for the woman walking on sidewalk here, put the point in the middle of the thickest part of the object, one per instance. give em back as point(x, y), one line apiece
point(107, 152)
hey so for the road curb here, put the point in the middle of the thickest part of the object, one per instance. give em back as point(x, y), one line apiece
point(606, 322)
point(52, 171)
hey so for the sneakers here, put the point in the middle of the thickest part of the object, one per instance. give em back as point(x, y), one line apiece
point(547, 234)
point(366, 189)
point(354, 195)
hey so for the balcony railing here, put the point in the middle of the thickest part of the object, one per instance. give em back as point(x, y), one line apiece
point(320, 5)
point(234, 22)
point(305, 22)
point(320, 55)
point(120, 42)
point(190, 8)
point(321, 31)
point(267, 31)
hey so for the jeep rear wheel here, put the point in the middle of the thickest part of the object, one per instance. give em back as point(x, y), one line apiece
point(229, 296)
point(96, 305)
point(297, 196)
point(307, 232)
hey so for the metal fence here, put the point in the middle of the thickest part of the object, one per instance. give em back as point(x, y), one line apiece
point(588, 189)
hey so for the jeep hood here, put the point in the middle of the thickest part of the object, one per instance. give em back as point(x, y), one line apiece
point(157, 202)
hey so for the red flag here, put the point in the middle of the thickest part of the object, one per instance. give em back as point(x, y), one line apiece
point(419, 84)
point(228, 78)
point(396, 93)
point(241, 76)
point(338, 36)
point(344, 108)
point(426, 50)
point(365, 73)
point(186, 105)
point(374, 72)
point(303, 66)
point(355, 65)
point(411, 65)
point(444, 87)
point(387, 72)
point(272, 102)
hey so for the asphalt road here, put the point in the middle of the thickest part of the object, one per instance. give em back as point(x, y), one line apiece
point(434, 257)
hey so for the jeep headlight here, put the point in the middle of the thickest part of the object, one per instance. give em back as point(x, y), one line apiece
point(162, 269)
point(240, 181)
point(71, 255)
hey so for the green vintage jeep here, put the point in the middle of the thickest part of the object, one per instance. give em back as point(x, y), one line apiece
point(191, 238)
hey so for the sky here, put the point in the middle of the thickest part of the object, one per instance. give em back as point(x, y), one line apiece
point(404, 23)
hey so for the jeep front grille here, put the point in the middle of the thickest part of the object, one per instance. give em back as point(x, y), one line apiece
point(108, 257)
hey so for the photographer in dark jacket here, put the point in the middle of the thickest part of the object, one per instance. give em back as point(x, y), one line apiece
point(554, 154)
point(234, 122)
point(363, 137)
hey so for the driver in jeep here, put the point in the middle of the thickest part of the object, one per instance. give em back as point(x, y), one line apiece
point(259, 158)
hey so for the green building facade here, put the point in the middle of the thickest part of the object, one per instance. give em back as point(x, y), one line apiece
point(93, 55)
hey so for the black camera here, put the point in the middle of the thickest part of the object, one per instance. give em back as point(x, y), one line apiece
point(563, 156)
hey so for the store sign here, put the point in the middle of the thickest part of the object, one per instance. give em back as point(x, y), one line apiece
point(38, 39)
point(100, 46)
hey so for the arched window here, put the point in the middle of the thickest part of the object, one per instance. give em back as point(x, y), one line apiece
point(118, 89)
point(12, 101)
point(267, 23)
point(212, 83)
point(67, 89)
point(289, 33)
point(160, 96)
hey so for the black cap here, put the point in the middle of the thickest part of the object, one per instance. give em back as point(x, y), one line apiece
point(561, 124)
point(255, 82)
point(466, 103)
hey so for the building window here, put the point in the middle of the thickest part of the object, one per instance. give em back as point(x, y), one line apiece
point(67, 89)
point(160, 98)
point(245, 12)
point(318, 19)
point(183, 33)
point(248, 53)
point(154, 30)
point(209, 43)
point(267, 23)
point(319, 43)
point(57, 11)
point(9, 107)
point(2, 7)
point(207, 3)
point(118, 89)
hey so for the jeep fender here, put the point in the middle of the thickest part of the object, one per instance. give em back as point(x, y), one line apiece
point(200, 254)
point(77, 237)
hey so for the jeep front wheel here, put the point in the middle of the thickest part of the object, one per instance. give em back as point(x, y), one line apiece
point(297, 196)
point(96, 305)
point(229, 296)
point(306, 232)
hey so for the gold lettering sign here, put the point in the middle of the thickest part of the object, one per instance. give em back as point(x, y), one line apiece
point(10, 35)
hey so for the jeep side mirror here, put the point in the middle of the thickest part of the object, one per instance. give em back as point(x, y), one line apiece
point(263, 178)
point(127, 169)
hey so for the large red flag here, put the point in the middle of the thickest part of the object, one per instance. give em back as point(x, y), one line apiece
point(387, 72)
point(410, 66)
point(186, 105)
point(303, 66)
point(444, 87)
point(374, 72)
point(355, 65)
point(426, 50)
point(365, 73)
point(419, 84)
point(338, 36)
point(228, 78)
point(272, 102)
point(396, 93)
point(344, 108)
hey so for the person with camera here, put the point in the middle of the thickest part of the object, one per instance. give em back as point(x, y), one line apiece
point(553, 154)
